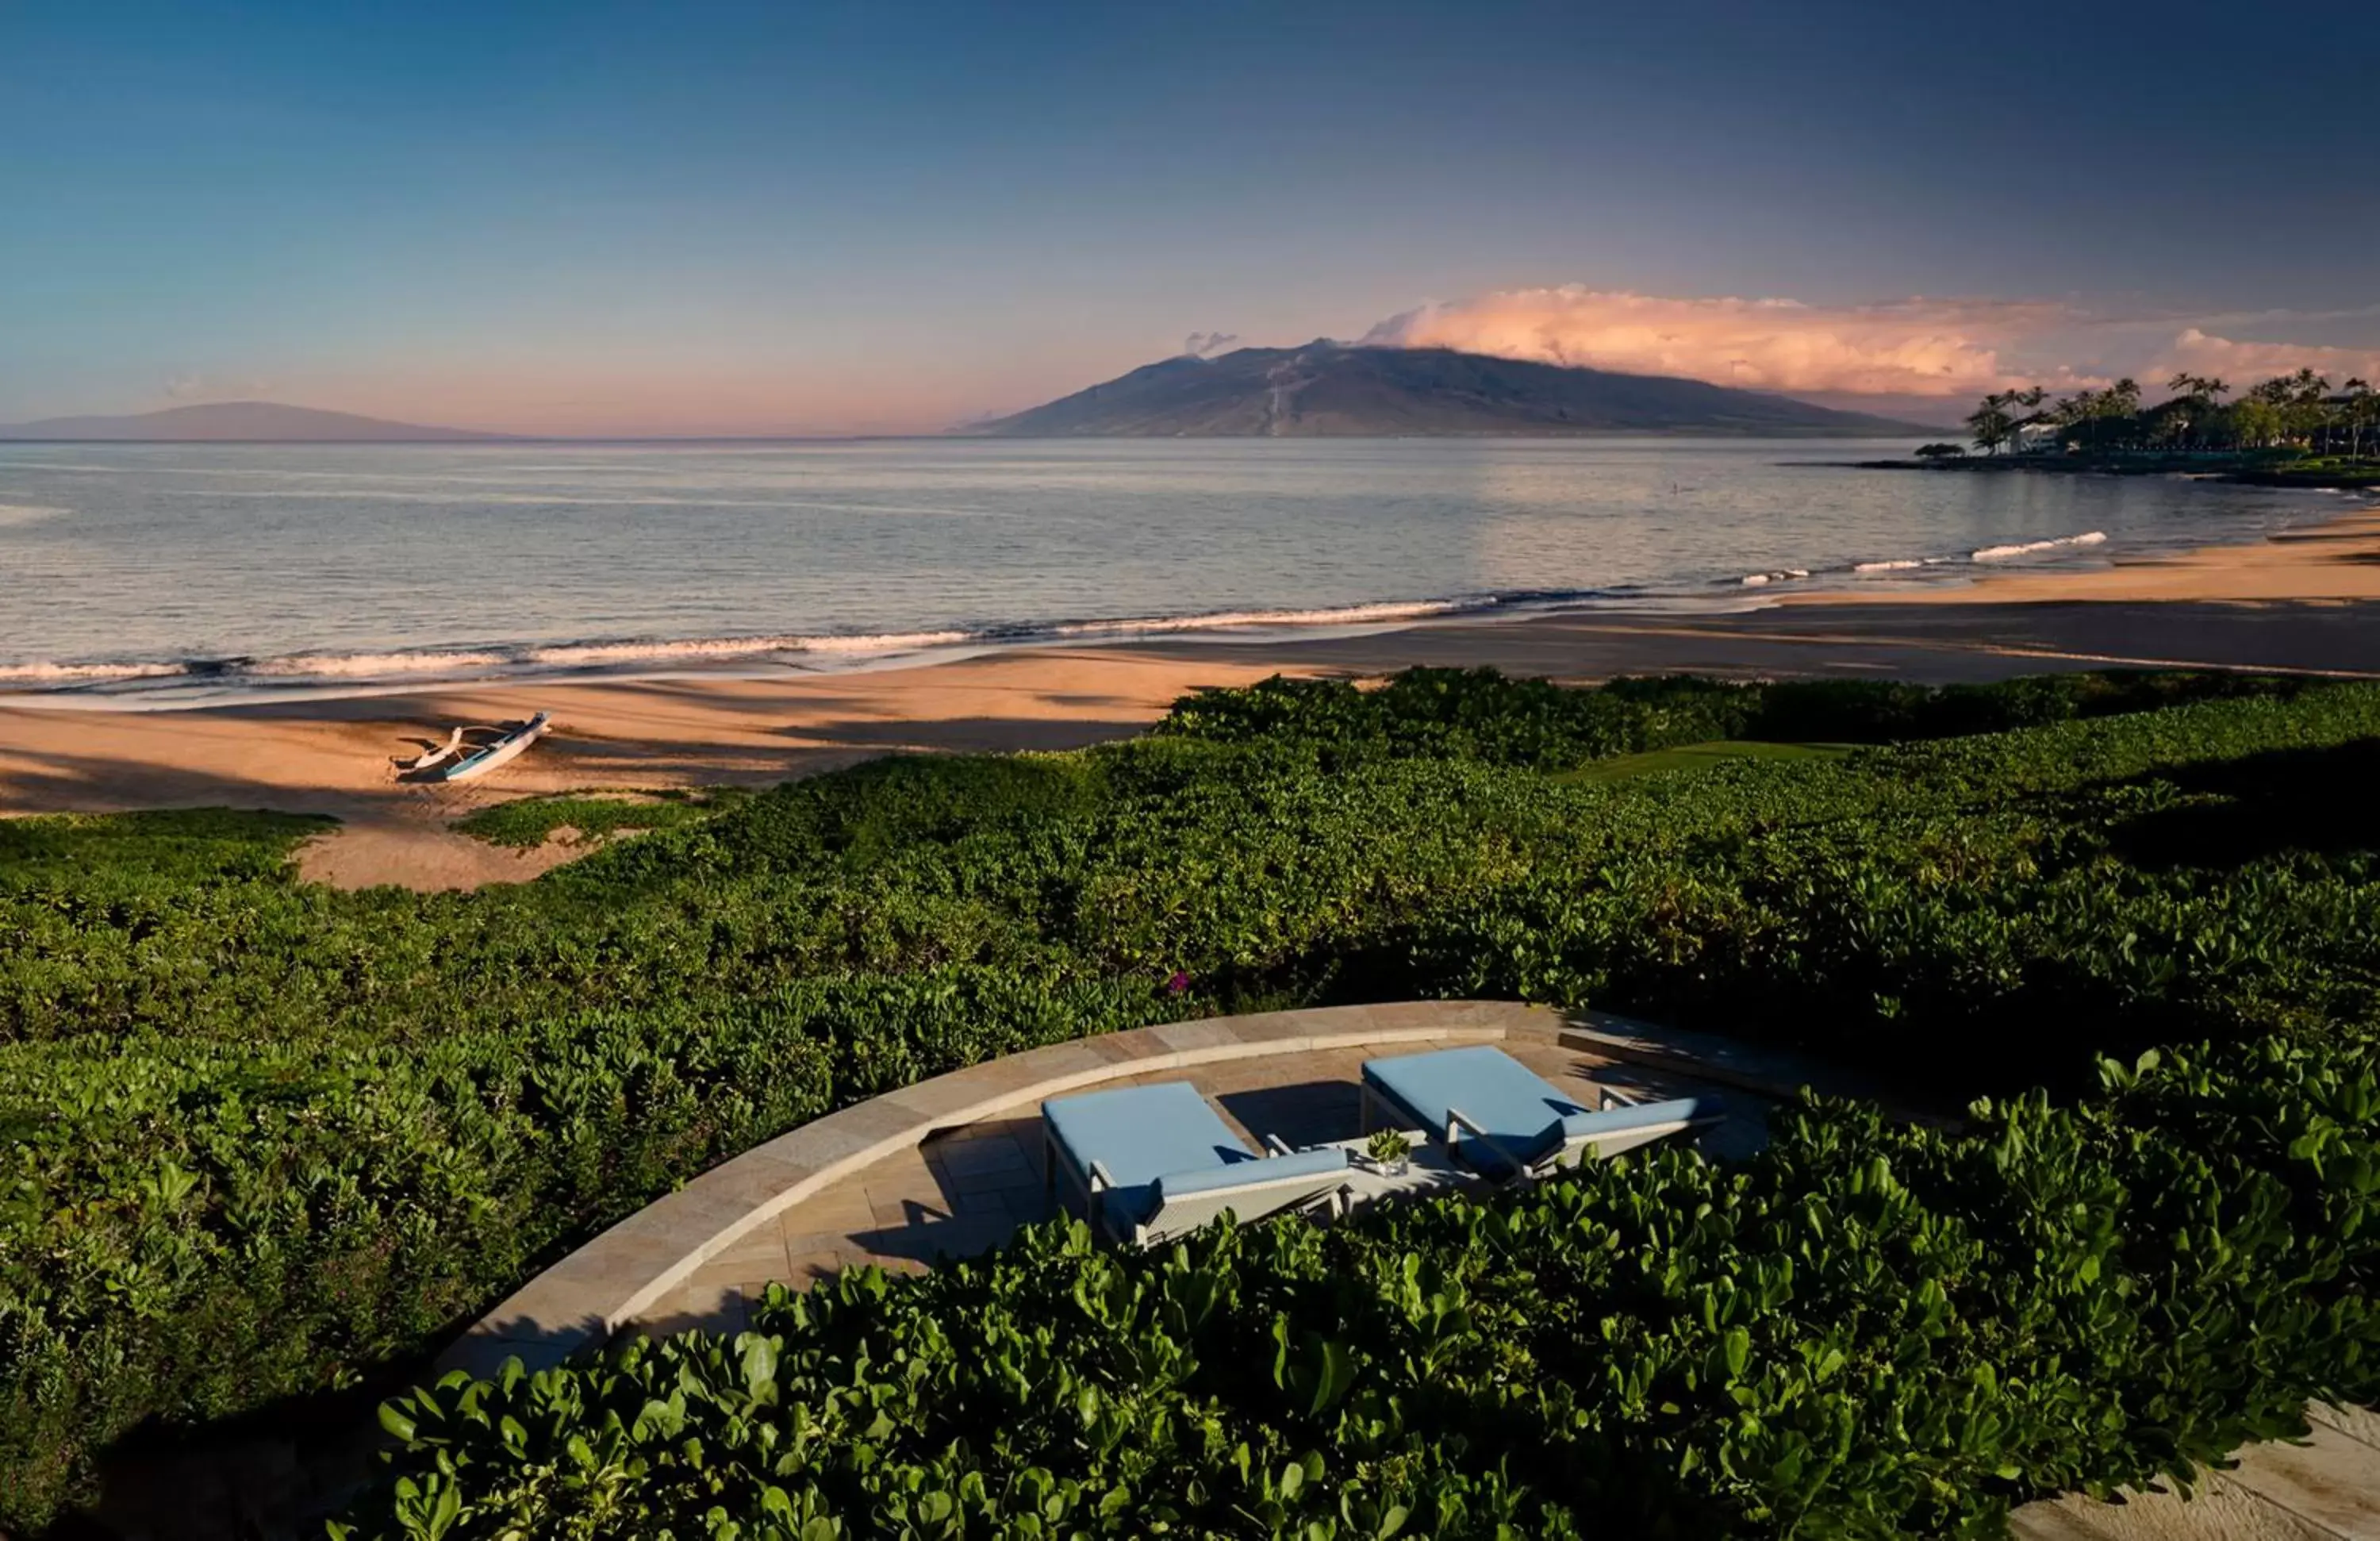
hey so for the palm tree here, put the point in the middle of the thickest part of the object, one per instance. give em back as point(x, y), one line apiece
point(1989, 422)
point(2303, 407)
point(2264, 413)
point(2070, 413)
point(2029, 400)
point(2124, 397)
point(2185, 416)
point(2202, 409)
point(2362, 408)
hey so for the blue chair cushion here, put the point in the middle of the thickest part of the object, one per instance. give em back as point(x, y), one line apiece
point(1614, 1121)
point(1125, 1207)
point(1140, 1134)
point(1517, 1105)
point(1273, 1169)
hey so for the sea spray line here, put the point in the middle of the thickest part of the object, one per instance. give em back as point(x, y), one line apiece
point(363, 665)
point(2029, 548)
point(291, 669)
point(583, 654)
point(1344, 615)
point(43, 676)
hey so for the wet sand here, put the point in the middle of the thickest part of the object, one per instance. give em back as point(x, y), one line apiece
point(2308, 600)
point(2338, 560)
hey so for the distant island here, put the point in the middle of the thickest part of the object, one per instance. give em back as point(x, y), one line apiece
point(1328, 389)
point(2291, 430)
point(241, 421)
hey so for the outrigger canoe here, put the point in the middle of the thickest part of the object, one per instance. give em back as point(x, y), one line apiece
point(451, 763)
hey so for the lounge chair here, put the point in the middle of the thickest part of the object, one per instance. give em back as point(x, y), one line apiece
point(1505, 1121)
point(1152, 1163)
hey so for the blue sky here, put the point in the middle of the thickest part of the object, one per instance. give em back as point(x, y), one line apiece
point(729, 217)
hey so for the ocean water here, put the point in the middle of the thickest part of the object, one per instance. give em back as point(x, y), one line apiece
point(185, 572)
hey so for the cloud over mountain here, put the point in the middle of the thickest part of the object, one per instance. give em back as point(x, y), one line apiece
point(1956, 349)
point(1914, 347)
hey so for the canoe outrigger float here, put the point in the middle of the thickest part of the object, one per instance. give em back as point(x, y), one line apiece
point(456, 761)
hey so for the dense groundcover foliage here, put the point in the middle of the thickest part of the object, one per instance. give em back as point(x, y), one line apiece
point(267, 1142)
point(1480, 714)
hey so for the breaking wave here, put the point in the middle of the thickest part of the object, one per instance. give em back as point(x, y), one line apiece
point(584, 655)
point(2033, 547)
point(1782, 574)
point(614, 655)
point(45, 676)
point(361, 666)
point(1346, 615)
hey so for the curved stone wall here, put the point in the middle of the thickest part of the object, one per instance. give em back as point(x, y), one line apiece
point(620, 1275)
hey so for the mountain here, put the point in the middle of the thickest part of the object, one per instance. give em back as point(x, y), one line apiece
point(1328, 388)
point(1936, 415)
point(250, 421)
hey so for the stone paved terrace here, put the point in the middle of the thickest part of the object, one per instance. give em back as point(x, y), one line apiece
point(951, 1166)
point(2325, 1489)
point(965, 1190)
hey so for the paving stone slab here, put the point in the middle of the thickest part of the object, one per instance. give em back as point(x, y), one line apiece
point(760, 1252)
point(2360, 1423)
point(2330, 1479)
point(1206, 1034)
point(2218, 1511)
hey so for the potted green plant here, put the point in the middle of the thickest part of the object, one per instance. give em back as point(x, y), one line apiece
point(1388, 1150)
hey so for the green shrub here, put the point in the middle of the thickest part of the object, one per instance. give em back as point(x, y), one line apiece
point(1468, 714)
point(1480, 714)
point(268, 1141)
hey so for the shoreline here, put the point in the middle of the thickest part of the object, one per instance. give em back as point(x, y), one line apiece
point(208, 682)
point(2230, 468)
point(2306, 600)
point(2333, 559)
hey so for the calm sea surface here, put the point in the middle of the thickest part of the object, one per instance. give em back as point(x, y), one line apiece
point(174, 571)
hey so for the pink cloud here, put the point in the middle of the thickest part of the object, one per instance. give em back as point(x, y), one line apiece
point(2245, 363)
point(1910, 347)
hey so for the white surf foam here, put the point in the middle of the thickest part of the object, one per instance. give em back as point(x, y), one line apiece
point(889, 642)
point(1783, 575)
point(51, 676)
point(1342, 615)
point(343, 666)
point(2033, 547)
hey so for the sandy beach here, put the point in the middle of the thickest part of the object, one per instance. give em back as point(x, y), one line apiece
point(2335, 560)
point(2308, 599)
